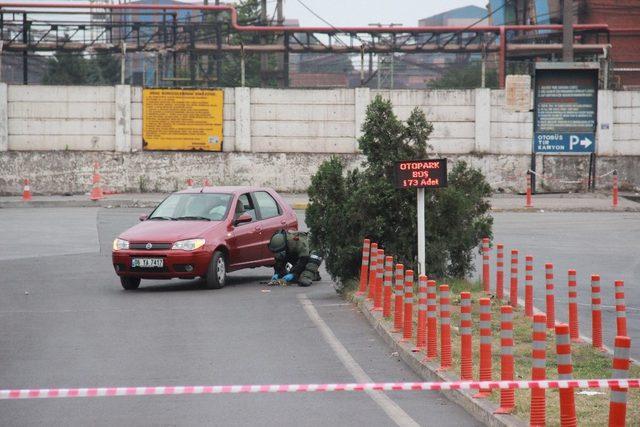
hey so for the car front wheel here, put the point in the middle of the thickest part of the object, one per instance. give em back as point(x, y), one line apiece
point(217, 271)
point(130, 283)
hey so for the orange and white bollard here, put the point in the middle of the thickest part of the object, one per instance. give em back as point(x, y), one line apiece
point(399, 297)
point(373, 269)
point(421, 334)
point(26, 191)
point(407, 317)
point(500, 271)
point(528, 286)
point(96, 190)
point(614, 194)
point(513, 282)
point(618, 397)
point(364, 267)
point(574, 328)
point(550, 297)
point(485, 345)
point(466, 350)
point(432, 321)
point(206, 183)
point(386, 291)
point(377, 290)
point(189, 183)
point(621, 309)
point(529, 203)
point(486, 270)
point(445, 328)
point(507, 396)
point(596, 313)
point(565, 372)
point(538, 414)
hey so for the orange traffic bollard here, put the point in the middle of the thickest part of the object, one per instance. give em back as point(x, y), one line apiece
point(565, 372)
point(500, 271)
point(507, 396)
point(377, 289)
point(386, 291)
point(615, 189)
point(466, 351)
point(421, 334)
point(364, 267)
point(528, 286)
point(529, 179)
point(513, 283)
point(373, 268)
point(538, 414)
point(445, 328)
point(485, 345)
point(190, 183)
point(432, 321)
point(486, 282)
point(407, 317)
point(621, 309)
point(399, 297)
point(574, 328)
point(618, 398)
point(96, 190)
point(206, 183)
point(596, 313)
point(26, 191)
point(550, 299)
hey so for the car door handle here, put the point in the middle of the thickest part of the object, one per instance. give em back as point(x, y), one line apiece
point(283, 222)
point(258, 228)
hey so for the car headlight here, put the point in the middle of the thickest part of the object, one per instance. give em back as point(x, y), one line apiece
point(188, 245)
point(119, 244)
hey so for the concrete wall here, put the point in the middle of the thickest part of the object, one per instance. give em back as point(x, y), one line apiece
point(270, 129)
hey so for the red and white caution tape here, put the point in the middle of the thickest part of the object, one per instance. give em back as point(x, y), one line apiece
point(303, 388)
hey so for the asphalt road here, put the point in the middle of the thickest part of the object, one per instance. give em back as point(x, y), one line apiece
point(66, 322)
point(591, 243)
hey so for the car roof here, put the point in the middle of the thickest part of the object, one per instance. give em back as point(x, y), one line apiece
point(223, 189)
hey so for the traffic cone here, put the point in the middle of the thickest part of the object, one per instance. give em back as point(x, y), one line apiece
point(96, 191)
point(26, 192)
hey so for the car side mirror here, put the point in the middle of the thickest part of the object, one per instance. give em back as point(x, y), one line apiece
point(243, 219)
point(143, 217)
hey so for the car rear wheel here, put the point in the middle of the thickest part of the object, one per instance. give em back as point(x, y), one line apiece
point(130, 283)
point(217, 271)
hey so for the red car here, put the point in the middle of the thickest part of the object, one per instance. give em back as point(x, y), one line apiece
point(202, 232)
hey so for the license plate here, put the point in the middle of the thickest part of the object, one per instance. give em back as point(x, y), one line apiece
point(147, 262)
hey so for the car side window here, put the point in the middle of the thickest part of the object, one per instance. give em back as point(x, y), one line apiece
point(267, 205)
point(245, 205)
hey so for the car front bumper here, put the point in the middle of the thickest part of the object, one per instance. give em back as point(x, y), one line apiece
point(175, 265)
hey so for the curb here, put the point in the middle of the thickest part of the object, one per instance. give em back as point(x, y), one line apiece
point(482, 410)
point(106, 203)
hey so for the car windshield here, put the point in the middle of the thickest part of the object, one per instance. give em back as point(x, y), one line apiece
point(193, 206)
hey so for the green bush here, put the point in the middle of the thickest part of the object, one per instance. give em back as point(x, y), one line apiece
point(345, 207)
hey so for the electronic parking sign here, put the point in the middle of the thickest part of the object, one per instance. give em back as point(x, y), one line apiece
point(431, 173)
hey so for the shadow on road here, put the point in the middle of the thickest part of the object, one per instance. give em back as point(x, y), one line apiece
point(197, 284)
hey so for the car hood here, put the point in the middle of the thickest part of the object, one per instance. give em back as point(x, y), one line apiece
point(169, 231)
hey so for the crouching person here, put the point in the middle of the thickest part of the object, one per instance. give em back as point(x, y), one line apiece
point(292, 247)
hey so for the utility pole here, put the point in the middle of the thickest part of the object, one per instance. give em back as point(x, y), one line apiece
point(282, 60)
point(567, 30)
point(264, 59)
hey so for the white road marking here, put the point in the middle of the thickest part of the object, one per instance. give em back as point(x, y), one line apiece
point(397, 414)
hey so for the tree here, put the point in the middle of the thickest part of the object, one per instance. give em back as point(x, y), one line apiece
point(345, 207)
point(467, 76)
point(65, 68)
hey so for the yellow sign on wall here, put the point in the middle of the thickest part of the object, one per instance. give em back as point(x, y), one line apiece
point(182, 119)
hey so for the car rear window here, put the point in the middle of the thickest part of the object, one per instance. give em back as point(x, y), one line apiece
point(267, 205)
point(212, 206)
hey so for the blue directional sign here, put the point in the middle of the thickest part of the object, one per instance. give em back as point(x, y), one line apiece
point(549, 142)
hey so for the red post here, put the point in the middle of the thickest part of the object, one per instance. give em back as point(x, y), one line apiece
point(500, 271)
point(538, 413)
point(486, 282)
point(421, 334)
point(485, 345)
point(373, 267)
point(377, 290)
point(96, 190)
point(596, 313)
point(26, 191)
point(618, 399)
point(432, 321)
point(507, 396)
point(615, 189)
point(407, 330)
point(466, 351)
point(550, 300)
point(445, 328)
point(364, 267)
point(528, 286)
point(206, 183)
point(574, 329)
point(386, 295)
point(399, 297)
point(513, 284)
point(190, 183)
point(529, 201)
point(565, 371)
point(621, 309)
